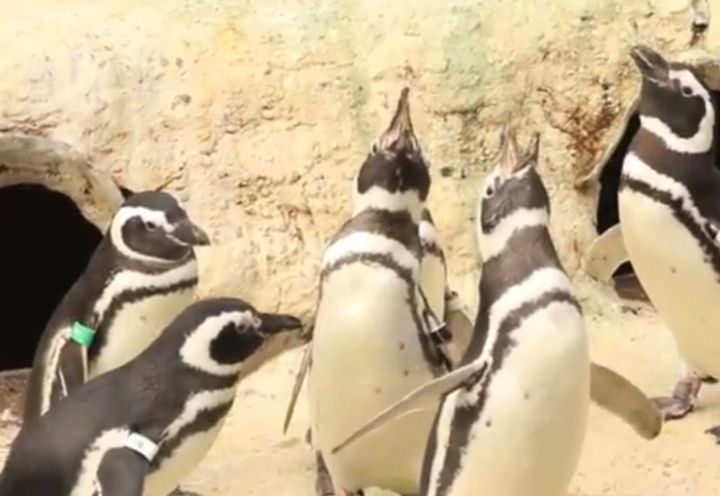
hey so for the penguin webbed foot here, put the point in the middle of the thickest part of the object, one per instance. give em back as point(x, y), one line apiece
point(714, 431)
point(181, 492)
point(683, 399)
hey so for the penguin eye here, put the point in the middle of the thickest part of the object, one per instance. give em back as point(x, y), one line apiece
point(151, 226)
point(489, 191)
point(686, 91)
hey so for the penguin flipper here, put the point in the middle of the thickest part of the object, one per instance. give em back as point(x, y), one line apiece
point(422, 398)
point(459, 324)
point(299, 380)
point(614, 393)
point(122, 473)
point(606, 254)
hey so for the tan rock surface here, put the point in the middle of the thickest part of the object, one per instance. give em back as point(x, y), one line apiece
point(258, 113)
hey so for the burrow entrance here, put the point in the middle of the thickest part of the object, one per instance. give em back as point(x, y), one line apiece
point(46, 245)
point(624, 280)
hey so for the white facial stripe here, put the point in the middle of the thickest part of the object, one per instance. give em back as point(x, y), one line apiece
point(198, 402)
point(366, 242)
point(492, 244)
point(635, 168)
point(381, 199)
point(702, 141)
point(86, 480)
point(687, 78)
point(129, 280)
point(534, 286)
point(195, 351)
point(147, 215)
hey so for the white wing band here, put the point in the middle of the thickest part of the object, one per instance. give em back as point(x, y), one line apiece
point(140, 444)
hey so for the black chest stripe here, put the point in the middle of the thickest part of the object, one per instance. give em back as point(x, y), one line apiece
point(466, 416)
point(707, 245)
point(126, 298)
point(433, 356)
point(203, 422)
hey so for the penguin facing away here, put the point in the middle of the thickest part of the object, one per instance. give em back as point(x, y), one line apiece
point(670, 186)
point(143, 273)
point(139, 429)
point(370, 326)
point(512, 417)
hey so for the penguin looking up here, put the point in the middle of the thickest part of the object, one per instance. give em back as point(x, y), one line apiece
point(373, 336)
point(141, 428)
point(143, 273)
point(513, 415)
point(670, 187)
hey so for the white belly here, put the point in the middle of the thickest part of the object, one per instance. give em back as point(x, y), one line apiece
point(681, 285)
point(365, 356)
point(530, 434)
point(136, 326)
point(181, 464)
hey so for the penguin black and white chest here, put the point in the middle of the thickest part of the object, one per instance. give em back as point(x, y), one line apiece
point(669, 207)
point(141, 428)
point(140, 277)
point(516, 426)
point(371, 343)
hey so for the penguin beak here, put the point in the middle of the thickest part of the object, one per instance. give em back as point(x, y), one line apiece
point(400, 133)
point(190, 234)
point(652, 66)
point(509, 151)
point(273, 323)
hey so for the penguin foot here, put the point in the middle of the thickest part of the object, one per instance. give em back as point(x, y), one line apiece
point(673, 408)
point(714, 431)
point(682, 400)
point(180, 492)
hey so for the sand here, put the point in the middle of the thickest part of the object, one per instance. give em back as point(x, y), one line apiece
point(252, 457)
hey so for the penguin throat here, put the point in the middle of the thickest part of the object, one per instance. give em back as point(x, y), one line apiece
point(378, 198)
point(494, 242)
point(700, 142)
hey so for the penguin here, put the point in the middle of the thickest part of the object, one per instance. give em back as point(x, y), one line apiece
point(372, 322)
point(139, 429)
point(670, 187)
point(512, 417)
point(143, 273)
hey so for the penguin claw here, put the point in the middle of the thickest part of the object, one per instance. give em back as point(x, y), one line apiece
point(673, 408)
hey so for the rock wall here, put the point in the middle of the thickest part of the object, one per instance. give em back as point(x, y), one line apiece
point(257, 114)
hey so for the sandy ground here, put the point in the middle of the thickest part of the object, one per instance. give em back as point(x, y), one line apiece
point(252, 457)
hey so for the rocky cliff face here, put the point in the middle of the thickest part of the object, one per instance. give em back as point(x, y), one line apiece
point(257, 114)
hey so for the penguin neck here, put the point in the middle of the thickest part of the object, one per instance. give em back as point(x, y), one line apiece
point(703, 141)
point(520, 220)
point(377, 198)
point(651, 150)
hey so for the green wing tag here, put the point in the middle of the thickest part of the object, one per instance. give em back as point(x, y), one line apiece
point(81, 334)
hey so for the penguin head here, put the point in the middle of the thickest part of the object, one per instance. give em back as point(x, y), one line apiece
point(675, 104)
point(227, 336)
point(152, 227)
point(394, 175)
point(512, 196)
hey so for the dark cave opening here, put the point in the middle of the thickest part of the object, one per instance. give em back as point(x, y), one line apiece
point(624, 280)
point(47, 244)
